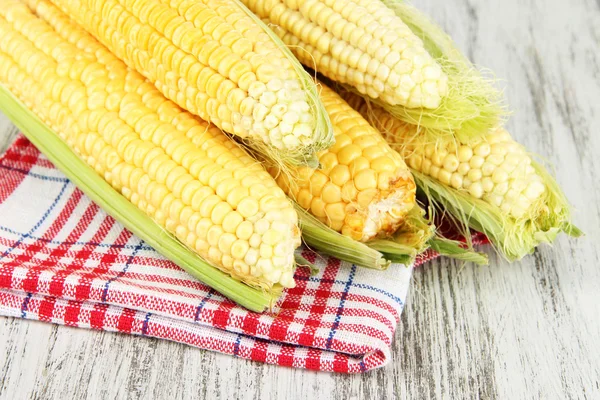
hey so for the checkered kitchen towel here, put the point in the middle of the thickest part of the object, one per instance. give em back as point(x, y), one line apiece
point(63, 260)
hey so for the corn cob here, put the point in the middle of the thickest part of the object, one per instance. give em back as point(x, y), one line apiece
point(361, 43)
point(363, 189)
point(493, 185)
point(183, 172)
point(218, 61)
point(388, 51)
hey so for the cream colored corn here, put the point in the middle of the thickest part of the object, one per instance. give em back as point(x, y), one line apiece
point(361, 43)
point(183, 172)
point(496, 168)
point(211, 59)
point(363, 189)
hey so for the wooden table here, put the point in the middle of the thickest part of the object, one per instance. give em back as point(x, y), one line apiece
point(527, 330)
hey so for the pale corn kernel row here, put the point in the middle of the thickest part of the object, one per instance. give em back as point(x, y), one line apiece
point(496, 168)
point(211, 59)
point(363, 189)
point(183, 172)
point(361, 43)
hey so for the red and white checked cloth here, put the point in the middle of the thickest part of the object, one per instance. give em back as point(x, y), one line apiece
point(64, 261)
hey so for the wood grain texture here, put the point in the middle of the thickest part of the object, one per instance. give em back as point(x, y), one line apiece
point(525, 331)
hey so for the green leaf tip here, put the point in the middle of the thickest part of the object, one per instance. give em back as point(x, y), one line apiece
point(456, 250)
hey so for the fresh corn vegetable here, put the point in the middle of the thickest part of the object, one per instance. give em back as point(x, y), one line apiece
point(181, 171)
point(392, 54)
point(218, 61)
point(492, 185)
point(361, 43)
point(363, 189)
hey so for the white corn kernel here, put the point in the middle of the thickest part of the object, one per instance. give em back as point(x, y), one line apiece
point(256, 89)
point(476, 190)
point(274, 85)
point(270, 122)
point(268, 99)
point(303, 130)
point(464, 154)
point(291, 142)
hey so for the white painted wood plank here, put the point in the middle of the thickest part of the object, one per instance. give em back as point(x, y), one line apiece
point(527, 330)
point(8, 132)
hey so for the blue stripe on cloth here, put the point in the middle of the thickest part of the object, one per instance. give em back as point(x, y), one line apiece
point(120, 274)
point(40, 222)
point(236, 345)
point(356, 285)
point(78, 243)
point(145, 324)
point(203, 303)
point(340, 310)
point(24, 305)
point(34, 175)
point(362, 365)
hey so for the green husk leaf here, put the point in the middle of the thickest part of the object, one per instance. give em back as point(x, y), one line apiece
point(557, 215)
point(418, 234)
point(323, 134)
point(303, 262)
point(454, 249)
point(514, 238)
point(393, 252)
point(416, 231)
point(472, 106)
point(117, 206)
